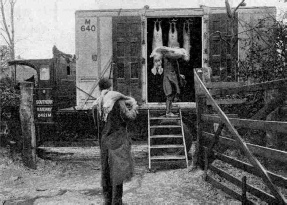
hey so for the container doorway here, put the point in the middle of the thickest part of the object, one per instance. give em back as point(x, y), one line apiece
point(155, 87)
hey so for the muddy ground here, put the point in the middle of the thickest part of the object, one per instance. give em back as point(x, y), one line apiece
point(71, 175)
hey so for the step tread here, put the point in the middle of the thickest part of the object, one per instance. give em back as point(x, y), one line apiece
point(166, 136)
point(164, 109)
point(165, 118)
point(167, 146)
point(165, 126)
point(164, 157)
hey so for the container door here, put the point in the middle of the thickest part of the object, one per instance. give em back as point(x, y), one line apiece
point(222, 53)
point(127, 55)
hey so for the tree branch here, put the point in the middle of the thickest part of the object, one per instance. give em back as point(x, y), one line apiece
point(12, 4)
point(4, 22)
point(254, 29)
point(237, 7)
point(5, 39)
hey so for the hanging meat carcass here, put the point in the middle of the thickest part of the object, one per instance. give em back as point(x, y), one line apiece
point(157, 42)
point(172, 35)
point(186, 40)
point(157, 35)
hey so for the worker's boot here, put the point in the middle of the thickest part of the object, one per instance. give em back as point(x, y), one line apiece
point(168, 109)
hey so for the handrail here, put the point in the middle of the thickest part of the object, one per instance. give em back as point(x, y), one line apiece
point(241, 143)
point(97, 82)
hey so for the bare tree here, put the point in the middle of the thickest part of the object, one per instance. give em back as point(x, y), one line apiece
point(4, 57)
point(266, 58)
point(231, 14)
point(7, 31)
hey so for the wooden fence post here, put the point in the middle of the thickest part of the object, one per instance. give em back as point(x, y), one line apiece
point(205, 164)
point(27, 125)
point(200, 142)
point(200, 103)
point(243, 187)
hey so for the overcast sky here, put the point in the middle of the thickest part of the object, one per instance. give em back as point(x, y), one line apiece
point(40, 24)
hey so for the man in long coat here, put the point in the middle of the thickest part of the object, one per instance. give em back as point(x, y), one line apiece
point(171, 75)
point(170, 82)
point(114, 111)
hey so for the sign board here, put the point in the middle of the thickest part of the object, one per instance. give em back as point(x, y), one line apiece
point(45, 108)
point(44, 105)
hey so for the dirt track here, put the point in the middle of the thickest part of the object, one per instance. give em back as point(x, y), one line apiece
point(73, 177)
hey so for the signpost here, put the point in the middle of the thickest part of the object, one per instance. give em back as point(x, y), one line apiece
point(28, 125)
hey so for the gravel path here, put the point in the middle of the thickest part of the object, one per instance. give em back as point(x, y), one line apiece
point(73, 177)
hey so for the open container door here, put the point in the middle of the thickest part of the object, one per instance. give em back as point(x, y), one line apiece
point(127, 55)
point(222, 51)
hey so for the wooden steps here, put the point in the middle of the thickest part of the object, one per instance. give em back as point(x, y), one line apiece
point(169, 139)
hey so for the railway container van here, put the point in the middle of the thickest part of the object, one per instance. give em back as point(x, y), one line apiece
point(117, 44)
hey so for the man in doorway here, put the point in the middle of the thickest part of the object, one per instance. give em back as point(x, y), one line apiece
point(171, 75)
point(114, 111)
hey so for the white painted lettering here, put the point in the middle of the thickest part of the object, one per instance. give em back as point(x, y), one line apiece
point(44, 109)
point(44, 115)
point(44, 102)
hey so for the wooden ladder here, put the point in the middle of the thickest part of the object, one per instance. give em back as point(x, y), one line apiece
point(171, 131)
